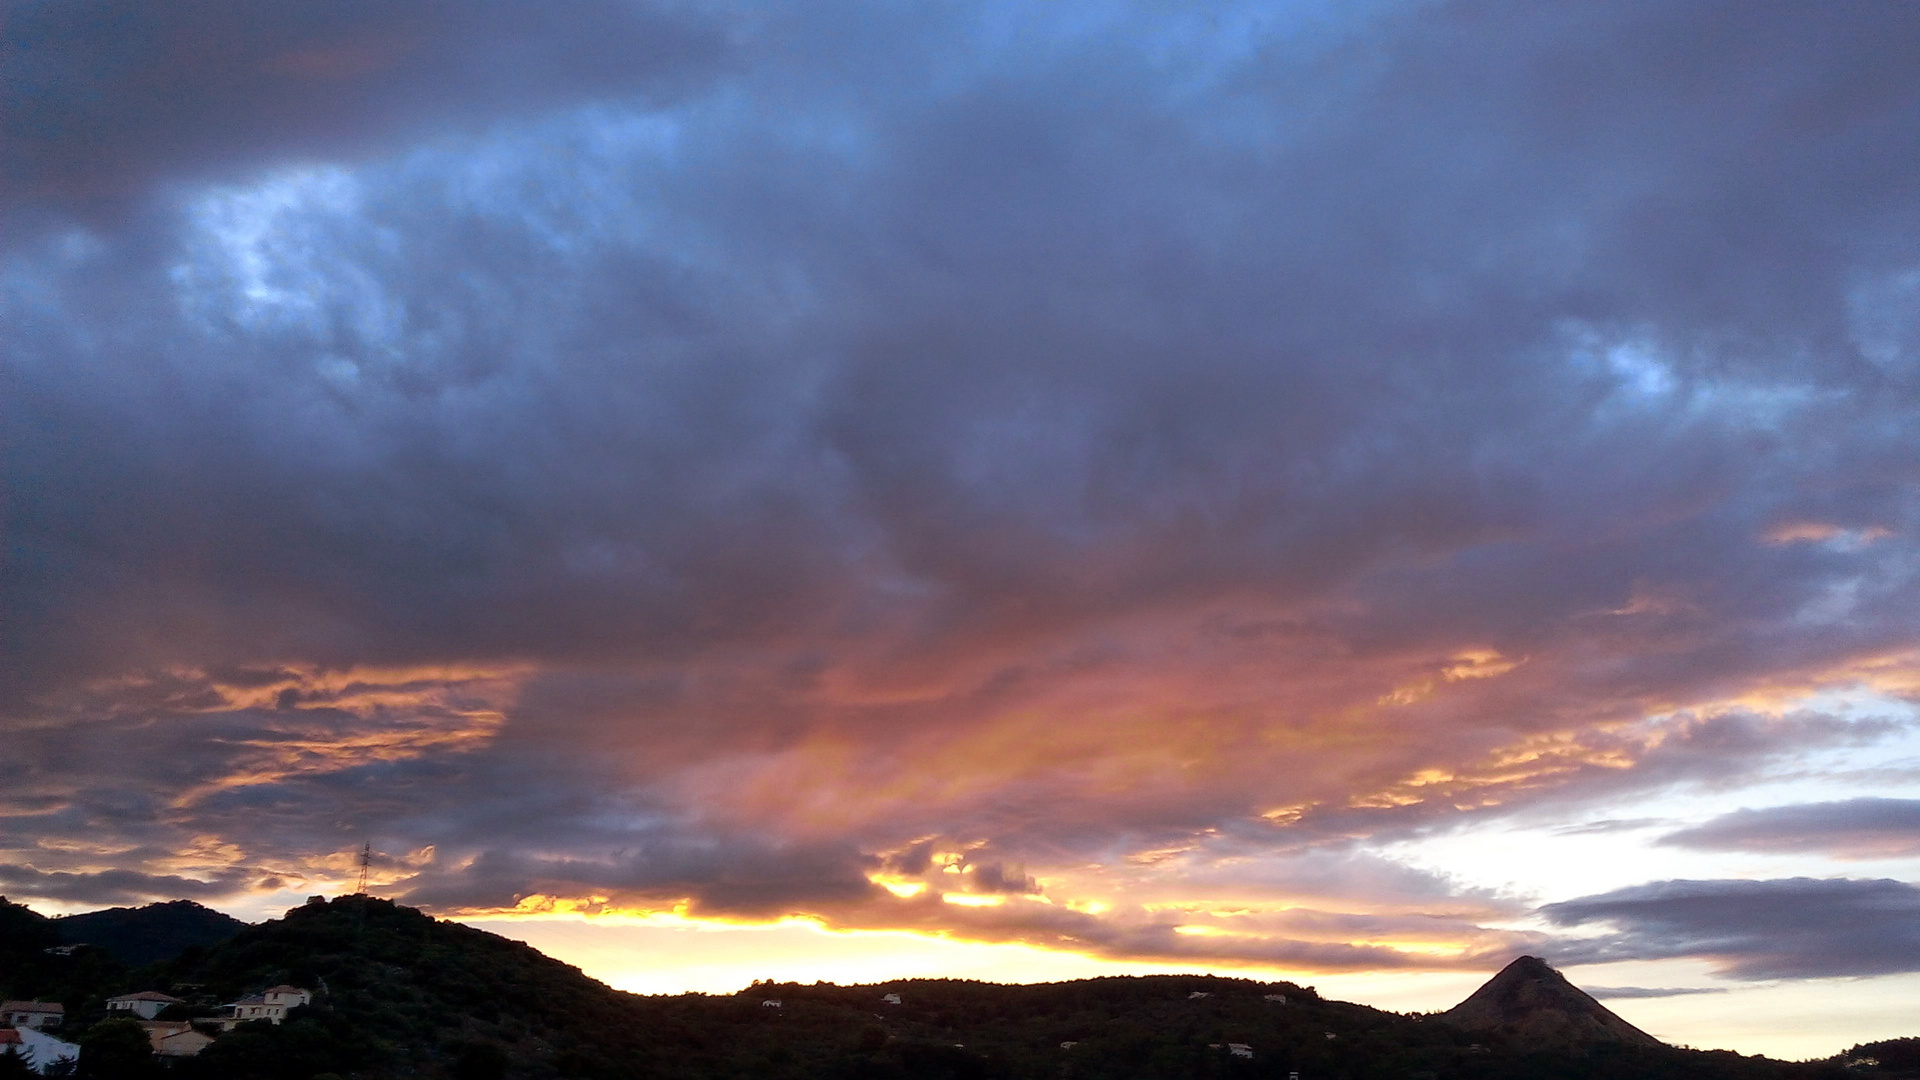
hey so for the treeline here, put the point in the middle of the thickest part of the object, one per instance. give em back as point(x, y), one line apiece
point(400, 994)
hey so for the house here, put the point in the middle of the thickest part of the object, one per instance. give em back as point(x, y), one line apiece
point(1240, 1050)
point(146, 1004)
point(1277, 999)
point(175, 1038)
point(770, 1003)
point(38, 1015)
point(1068, 1045)
point(286, 997)
point(1198, 994)
point(271, 1004)
point(891, 999)
point(43, 1052)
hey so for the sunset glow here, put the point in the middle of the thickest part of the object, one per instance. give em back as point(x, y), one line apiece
point(1344, 493)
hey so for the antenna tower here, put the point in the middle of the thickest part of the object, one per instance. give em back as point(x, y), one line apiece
point(366, 863)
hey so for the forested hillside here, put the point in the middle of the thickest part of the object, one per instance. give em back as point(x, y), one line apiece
point(402, 994)
point(148, 935)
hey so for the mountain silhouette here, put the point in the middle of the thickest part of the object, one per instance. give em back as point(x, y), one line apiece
point(1531, 1005)
point(400, 995)
point(146, 935)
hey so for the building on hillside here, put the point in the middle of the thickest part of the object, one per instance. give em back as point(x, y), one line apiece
point(1240, 1050)
point(770, 1003)
point(891, 999)
point(38, 1015)
point(175, 1038)
point(146, 1004)
point(1277, 999)
point(43, 1052)
point(271, 1004)
point(1198, 994)
point(286, 996)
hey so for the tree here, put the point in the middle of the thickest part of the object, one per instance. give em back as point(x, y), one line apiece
point(17, 1064)
point(480, 1061)
point(117, 1050)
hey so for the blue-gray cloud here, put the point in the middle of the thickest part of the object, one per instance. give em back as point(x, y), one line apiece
point(739, 384)
point(125, 886)
point(1788, 928)
point(1865, 828)
point(1631, 992)
point(100, 98)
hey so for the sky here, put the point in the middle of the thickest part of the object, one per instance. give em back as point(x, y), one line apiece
point(845, 490)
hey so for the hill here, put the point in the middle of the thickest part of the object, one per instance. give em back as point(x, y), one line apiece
point(146, 935)
point(1889, 1057)
point(29, 971)
point(402, 994)
point(1530, 1004)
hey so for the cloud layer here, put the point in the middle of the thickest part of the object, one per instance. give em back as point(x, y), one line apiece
point(1787, 928)
point(1084, 476)
point(104, 97)
point(1866, 828)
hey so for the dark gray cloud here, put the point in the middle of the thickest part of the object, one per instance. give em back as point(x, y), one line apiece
point(125, 886)
point(961, 386)
point(1791, 928)
point(1866, 828)
point(102, 97)
point(1631, 992)
point(1609, 825)
point(720, 876)
point(642, 452)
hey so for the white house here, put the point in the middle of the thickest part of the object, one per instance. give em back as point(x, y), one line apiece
point(891, 999)
point(1277, 999)
point(146, 1004)
point(770, 1003)
point(1198, 994)
point(42, 1051)
point(38, 1015)
point(1240, 1050)
point(271, 1004)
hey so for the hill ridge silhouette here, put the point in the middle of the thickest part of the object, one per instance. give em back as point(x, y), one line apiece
point(1531, 1004)
point(404, 995)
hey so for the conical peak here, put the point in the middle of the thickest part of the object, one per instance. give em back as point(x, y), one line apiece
point(1530, 967)
point(1534, 1004)
point(1530, 974)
